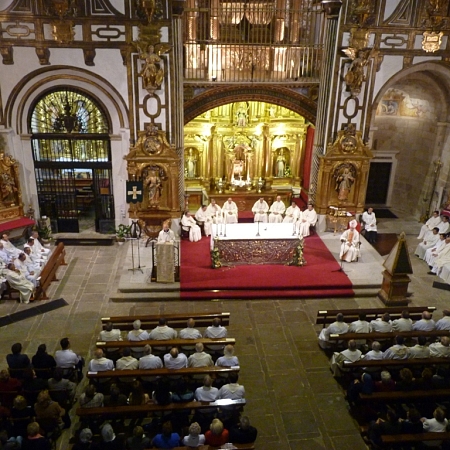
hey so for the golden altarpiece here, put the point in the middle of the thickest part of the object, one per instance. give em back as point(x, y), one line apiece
point(154, 162)
point(342, 181)
point(245, 150)
point(11, 206)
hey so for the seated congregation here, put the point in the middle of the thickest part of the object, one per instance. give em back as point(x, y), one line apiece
point(395, 372)
point(149, 409)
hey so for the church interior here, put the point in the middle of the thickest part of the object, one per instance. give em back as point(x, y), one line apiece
point(117, 112)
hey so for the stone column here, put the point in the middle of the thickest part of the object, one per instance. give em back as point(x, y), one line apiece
point(331, 9)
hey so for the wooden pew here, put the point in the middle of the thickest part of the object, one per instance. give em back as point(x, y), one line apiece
point(325, 317)
point(387, 336)
point(213, 370)
point(144, 410)
point(168, 344)
point(398, 362)
point(410, 438)
point(174, 320)
point(210, 447)
point(405, 396)
point(48, 273)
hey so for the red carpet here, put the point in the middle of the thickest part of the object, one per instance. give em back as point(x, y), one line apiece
point(317, 279)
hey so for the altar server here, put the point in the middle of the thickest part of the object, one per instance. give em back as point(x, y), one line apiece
point(260, 210)
point(350, 243)
point(195, 234)
point(308, 220)
point(276, 211)
point(370, 225)
point(230, 211)
point(293, 214)
point(432, 222)
point(203, 219)
point(214, 211)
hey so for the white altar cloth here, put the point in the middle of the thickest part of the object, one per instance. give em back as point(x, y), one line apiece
point(245, 231)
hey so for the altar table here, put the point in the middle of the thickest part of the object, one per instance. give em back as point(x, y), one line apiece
point(246, 243)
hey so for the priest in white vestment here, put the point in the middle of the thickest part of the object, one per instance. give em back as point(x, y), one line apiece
point(38, 247)
point(444, 226)
point(203, 219)
point(4, 257)
point(350, 243)
point(308, 220)
point(17, 281)
point(230, 211)
point(431, 223)
point(370, 225)
point(166, 234)
point(195, 234)
point(36, 260)
point(214, 211)
point(428, 242)
point(293, 214)
point(432, 253)
point(260, 210)
point(442, 258)
point(27, 270)
point(12, 251)
point(276, 211)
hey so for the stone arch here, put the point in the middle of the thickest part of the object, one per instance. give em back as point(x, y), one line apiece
point(36, 83)
point(280, 96)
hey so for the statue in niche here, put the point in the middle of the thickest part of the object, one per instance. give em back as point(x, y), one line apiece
point(280, 165)
point(355, 76)
point(153, 183)
point(8, 188)
point(242, 115)
point(152, 73)
point(191, 164)
point(345, 177)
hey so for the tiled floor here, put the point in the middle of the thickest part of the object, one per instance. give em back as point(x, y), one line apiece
point(292, 398)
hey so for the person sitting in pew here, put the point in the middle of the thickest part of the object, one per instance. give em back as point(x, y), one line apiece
point(233, 390)
point(90, 398)
point(360, 326)
point(337, 327)
point(166, 439)
point(115, 397)
point(386, 383)
point(398, 351)
point(420, 350)
point(138, 440)
point(381, 427)
point(338, 360)
point(110, 334)
point(243, 432)
point(404, 323)
point(99, 363)
point(190, 332)
point(440, 349)
point(162, 331)
point(438, 424)
point(217, 435)
point(149, 361)
point(412, 424)
point(426, 323)
point(424, 382)
point(363, 386)
point(382, 324)
point(375, 353)
point(406, 382)
point(127, 362)
point(175, 360)
point(444, 322)
point(137, 395)
point(228, 359)
point(194, 438)
point(137, 334)
point(200, 358)
point(109, 439)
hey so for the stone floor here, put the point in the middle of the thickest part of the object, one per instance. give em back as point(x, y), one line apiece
point(292, 398)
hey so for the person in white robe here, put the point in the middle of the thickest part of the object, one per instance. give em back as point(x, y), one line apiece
point(444, 226)
point(350, 243)
point(17, 281)
point(37, 256)
point(293, 214)
point(36, 260)
point(260, 210)
point(427, 243)
point(277, 210)
point(195, 234)
point(12, 251)
point(27, 270)
point(4, 257)
point(308, 220)
point(203, 219)
point(230, 211)
point(431, 253)
point(337, 327)
point(166, 234)
point(441, 259)
point(431, 223)
point(370, 225)
point(38, 247)
point(338, 360)
point(214, 211)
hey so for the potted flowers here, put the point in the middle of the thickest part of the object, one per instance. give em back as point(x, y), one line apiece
point(122, 232)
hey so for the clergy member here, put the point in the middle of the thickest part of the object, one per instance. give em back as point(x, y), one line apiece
point(19, 282)
point(13, 252)
point(293, 214)
point(195, 234)
point(350, 243)
point(442, 258)
point(432, 222)
point(214, 211)
point(308, 220)
point(370, 225)
point(428, 242)
point(203, 219)
point(444, 226)
point(260, 210)
point(230, 211)
point(28, 270)
point(276, 211)
point(38, 247)
point(166, 234)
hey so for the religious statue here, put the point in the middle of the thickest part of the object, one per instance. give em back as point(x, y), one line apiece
point(280, 165)
point(241, 115)
point(8, 188)
point(355, 76)
point(152, 73)
point(154, 184)
point(344, 182)
point(191, 164)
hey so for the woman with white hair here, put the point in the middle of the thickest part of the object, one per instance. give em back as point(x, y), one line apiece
point(195, 438)
point(137, 334)
point(228, 359)
point(217, 435)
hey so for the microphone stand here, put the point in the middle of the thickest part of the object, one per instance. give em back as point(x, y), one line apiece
point(135, 233)
point(257, 234)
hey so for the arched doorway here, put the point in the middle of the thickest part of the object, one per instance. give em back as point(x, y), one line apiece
point(410, 141)
point(72, 160)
